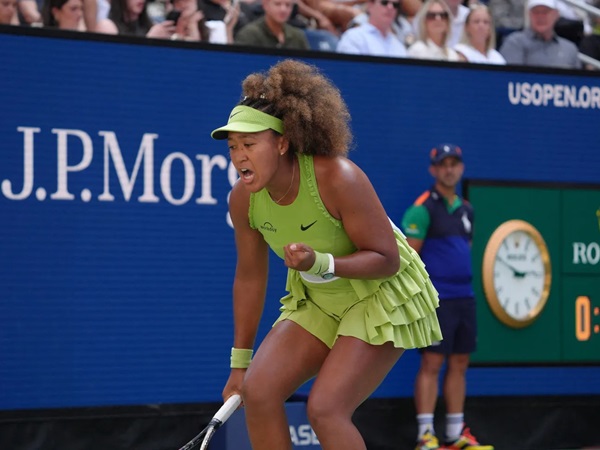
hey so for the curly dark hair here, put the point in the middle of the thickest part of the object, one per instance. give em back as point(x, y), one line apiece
point(315, 117)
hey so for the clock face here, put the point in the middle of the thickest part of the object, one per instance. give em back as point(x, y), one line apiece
point(516, 273)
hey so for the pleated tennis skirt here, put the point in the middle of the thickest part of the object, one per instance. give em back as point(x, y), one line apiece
point(398, 309)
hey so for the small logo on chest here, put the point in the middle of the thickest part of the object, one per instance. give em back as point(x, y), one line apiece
point(306, 227)
point(268, 226)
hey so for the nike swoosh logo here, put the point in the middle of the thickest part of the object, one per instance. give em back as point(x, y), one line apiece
point(304, 228)
point(234, 114)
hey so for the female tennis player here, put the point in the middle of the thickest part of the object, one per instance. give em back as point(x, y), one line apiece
point(358, 295)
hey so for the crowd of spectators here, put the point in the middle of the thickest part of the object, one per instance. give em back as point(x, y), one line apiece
point(551, 33)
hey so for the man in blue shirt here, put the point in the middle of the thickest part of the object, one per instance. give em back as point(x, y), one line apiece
point(439, 226)
point(375, 37)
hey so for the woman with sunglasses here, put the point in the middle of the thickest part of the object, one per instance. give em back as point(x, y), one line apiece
point(478, 40)
point(433, 21)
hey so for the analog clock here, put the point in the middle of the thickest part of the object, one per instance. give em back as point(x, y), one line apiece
point(516, 273)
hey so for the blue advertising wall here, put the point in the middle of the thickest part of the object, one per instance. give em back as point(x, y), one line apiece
point(117, 255)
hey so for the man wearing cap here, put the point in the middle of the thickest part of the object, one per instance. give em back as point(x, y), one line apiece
point(538, 44)
point(439, 226)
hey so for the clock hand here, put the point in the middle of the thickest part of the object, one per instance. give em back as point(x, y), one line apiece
point(516, 273)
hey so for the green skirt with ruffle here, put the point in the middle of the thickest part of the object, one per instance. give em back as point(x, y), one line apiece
point(398, 309)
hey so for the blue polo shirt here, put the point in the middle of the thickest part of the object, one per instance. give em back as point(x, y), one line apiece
point(446, 230)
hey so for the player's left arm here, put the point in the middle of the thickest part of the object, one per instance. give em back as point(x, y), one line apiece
point(349, 196)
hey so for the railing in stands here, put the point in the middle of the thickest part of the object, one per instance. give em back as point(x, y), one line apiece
point(589, 60)
point(595, 12)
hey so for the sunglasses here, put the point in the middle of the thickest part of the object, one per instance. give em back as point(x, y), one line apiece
point(434, 15)
point(390, 2)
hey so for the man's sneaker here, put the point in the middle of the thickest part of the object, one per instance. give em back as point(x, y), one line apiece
point(466, 441)
point(428, 442)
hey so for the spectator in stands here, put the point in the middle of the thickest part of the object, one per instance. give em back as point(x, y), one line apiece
point(478, 42)
point(590, 44)
point(339, 13)
point(538, 44)
point(192, 25)
point(29, 12)
point(221, 10)
point(322, 35)
point(8, 12)
point(402, 26)
point(375, 37)
point(272, 30)
point(90, 14)
point(63, 14)
point(458, 16)
point(320, 20)
point(130, 18)
point(508, 16)
point(433, 34)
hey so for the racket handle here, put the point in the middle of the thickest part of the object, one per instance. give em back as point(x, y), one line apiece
point(228, 408)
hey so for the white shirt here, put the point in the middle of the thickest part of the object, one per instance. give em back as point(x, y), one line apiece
point(368, 40)
point(217, 32)
point(475, 56)
point(430, 50)
point(458, 24)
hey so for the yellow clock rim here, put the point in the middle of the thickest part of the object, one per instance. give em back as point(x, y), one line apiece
point(489, 257)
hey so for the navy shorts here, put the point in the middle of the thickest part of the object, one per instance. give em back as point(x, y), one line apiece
point(458, 321)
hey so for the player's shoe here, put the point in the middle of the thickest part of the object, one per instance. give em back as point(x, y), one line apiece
point(428, 442)
point(466, 441)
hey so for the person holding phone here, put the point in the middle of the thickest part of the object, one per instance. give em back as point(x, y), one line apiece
point(130, 18)
point(191, 23)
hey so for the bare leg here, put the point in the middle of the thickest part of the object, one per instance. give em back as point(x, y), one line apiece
point(455, 383)
point(351, 373)
point(426, 383)
point(288, 356)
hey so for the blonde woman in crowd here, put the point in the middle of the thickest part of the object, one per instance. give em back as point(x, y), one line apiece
point(433, 21)
point(478, 41)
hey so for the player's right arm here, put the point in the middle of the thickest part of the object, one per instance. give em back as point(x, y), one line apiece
point(250, 282)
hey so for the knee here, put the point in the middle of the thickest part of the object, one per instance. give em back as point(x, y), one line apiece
point(430, 366)
point(319, 411)
point(458, 363)
point(259, 391)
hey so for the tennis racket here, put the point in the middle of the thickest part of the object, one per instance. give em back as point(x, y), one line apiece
point(218, 419)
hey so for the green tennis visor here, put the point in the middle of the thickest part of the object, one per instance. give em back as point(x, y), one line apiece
point(244, 119)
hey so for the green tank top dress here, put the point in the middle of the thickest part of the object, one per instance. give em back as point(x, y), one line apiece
point(398, 309)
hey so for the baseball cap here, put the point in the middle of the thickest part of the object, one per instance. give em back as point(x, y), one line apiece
point(442, 151)
point(549, 3)
point(244, 119)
